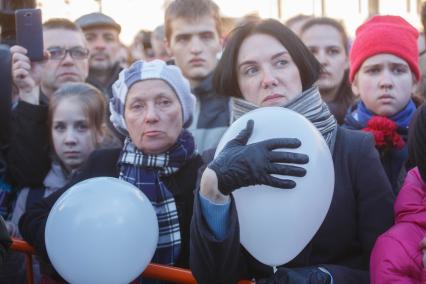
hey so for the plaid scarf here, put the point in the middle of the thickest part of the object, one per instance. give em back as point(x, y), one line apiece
point(146, 172)
point(309, 104)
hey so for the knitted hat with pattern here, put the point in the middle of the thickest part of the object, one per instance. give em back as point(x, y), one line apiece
point(141, 70)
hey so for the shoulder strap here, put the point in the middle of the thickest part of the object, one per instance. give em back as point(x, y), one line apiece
point(34, 195)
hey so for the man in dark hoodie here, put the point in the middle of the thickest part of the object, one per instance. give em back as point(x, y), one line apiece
point(192, 29)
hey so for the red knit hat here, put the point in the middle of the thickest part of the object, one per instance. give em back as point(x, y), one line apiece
point(385, 34)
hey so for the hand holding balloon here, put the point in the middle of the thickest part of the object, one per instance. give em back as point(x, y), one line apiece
point(240, 165)
point(267, 215)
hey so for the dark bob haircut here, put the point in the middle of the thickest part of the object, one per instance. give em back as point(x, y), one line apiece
point(225, 77)
point(417, 142)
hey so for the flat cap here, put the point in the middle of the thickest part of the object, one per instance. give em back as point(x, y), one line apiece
point(96, 20)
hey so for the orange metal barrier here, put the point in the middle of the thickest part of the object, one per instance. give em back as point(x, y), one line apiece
point(155, 271)
point(18, 245)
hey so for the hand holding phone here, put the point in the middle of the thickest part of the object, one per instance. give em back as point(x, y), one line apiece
point(26, 75)
point(29, 32)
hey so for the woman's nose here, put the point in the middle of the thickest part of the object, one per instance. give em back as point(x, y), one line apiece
point(151, 113)
point(269, 79)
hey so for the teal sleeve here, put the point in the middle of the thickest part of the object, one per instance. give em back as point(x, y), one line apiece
point(216, 216)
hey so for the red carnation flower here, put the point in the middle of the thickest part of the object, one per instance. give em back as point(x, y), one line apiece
point(385, 133)
point(379, 137)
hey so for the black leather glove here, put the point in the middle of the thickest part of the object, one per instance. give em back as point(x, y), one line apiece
point(241, 165)
point(303, 275)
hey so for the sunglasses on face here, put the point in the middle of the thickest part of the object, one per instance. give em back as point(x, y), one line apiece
point(59, 53)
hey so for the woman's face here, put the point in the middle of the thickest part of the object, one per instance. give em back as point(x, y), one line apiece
point(267, 75)
point(385, 84)
point(325, 43)
point(72, 137)
point(153, 116)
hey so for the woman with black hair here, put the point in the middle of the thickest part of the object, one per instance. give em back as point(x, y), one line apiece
point(265, 64)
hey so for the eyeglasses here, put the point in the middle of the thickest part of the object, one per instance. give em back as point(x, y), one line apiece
point(77, 52)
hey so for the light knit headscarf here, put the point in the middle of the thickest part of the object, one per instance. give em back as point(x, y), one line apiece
point(140, 71)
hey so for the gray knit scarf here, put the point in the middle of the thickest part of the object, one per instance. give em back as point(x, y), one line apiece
point(309, 104)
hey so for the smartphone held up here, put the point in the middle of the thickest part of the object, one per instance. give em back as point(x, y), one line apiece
point(29, 32)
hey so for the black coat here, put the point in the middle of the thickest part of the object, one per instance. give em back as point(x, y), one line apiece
point(361, 210)
point(28, 154)
point(392, 160)
point(104, 163)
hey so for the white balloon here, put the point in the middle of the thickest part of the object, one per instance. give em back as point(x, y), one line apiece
point(276, 224)
point(101, 230)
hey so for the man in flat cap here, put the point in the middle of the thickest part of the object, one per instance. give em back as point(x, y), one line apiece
point(102, 35)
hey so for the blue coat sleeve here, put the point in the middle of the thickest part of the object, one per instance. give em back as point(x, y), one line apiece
point(213, 260)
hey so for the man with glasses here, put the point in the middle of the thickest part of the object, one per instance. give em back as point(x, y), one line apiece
point(35, 79)
point(66, 61)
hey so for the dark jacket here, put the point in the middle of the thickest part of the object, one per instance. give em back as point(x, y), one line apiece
point(212, 116)
point(104, 163)
point(393, 159)
point(5, 241)
point(361, 209)
point(5, 96)
point(106, 88)
point(28, 154)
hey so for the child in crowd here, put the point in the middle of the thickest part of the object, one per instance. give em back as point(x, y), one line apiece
point(384, 73)
point(397, 256)
point(76, 121)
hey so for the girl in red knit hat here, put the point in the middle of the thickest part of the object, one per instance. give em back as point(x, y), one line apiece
point(384, 73)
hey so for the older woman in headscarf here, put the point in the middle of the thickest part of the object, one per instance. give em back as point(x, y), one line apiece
point(152, 105)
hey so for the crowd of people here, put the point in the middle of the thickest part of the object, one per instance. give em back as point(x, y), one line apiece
point(153, 115)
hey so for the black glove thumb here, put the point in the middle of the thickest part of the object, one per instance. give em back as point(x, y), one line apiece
point(245, 134)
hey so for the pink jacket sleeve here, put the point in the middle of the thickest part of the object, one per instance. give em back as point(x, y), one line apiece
point(389, 263)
